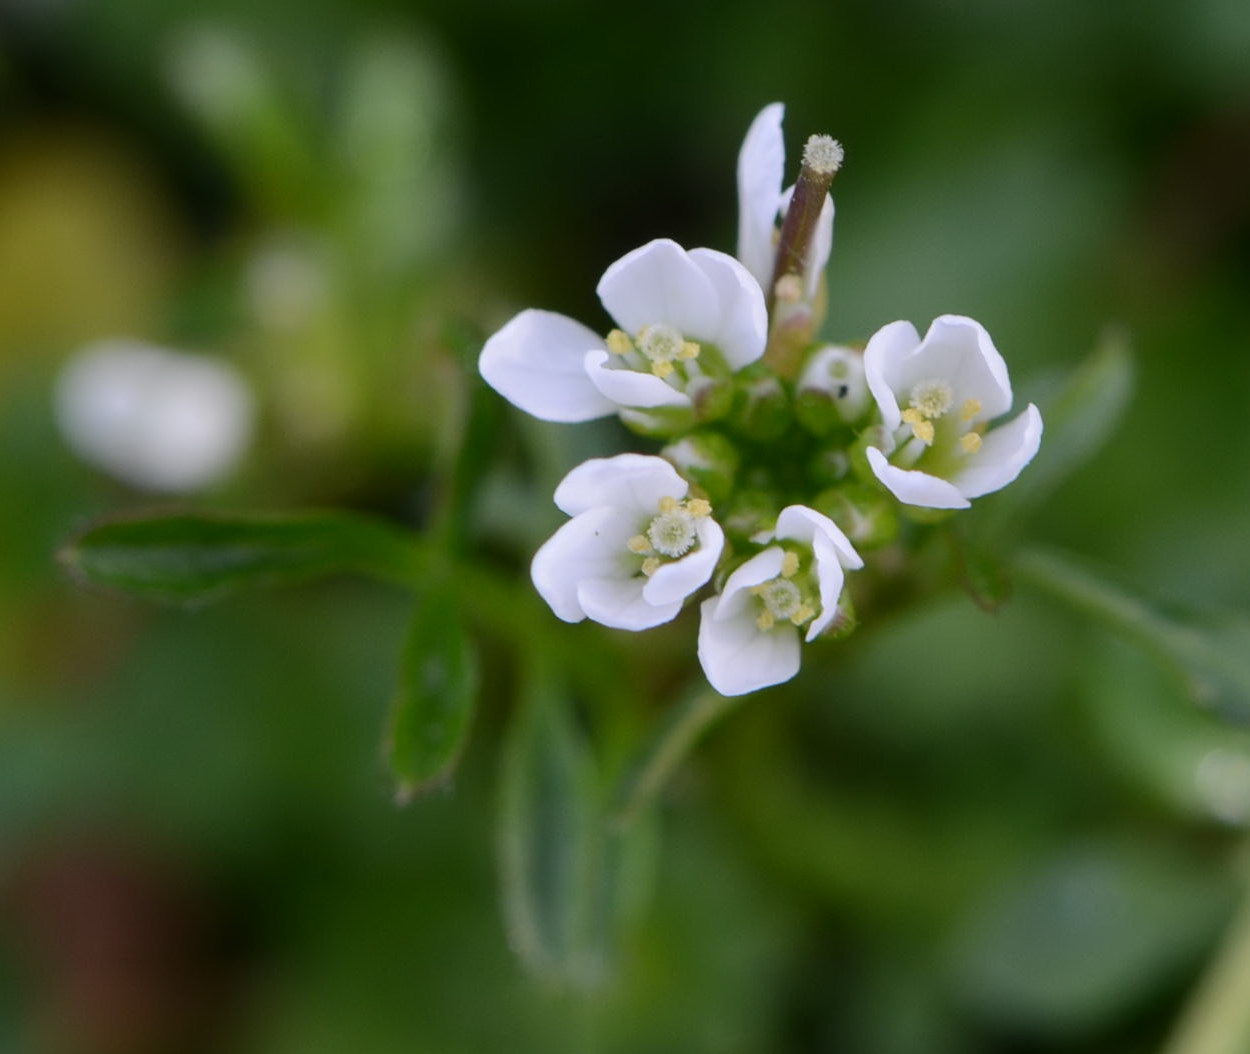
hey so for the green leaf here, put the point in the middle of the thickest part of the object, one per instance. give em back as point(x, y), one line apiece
point(199, 557)
point(570, 885)
point(1208, 650)
point(1078, 421)
point(433, 709)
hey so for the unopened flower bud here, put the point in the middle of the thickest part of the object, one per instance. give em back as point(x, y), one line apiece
point(831, 391)
point(829, 465)
point(712, 397)
point(751, 511)
point(844, 620)
point(867, 515)
point(708, 460)
point(761, 405)
point(662, 422)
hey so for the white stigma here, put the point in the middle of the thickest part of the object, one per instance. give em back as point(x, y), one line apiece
point(781, 598)
point(823, 154)
point(672, 534)
point(932, 398)
point(660, 343)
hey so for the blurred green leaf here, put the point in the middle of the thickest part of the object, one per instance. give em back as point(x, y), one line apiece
point(433, 710)
point(1210, 650)
point(1091, 934)
point(569, 884)
point(199, 557)
point(1078, 421)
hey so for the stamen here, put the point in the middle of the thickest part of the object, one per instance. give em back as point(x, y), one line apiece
point(662, 369)
point(619, 343)
point(638, 544)
point(689, 350)
point(698, 508)
point(803, 613)
point(764, 620)
point(668, 504)
point(789, 565)
point(921, 428)
point(650, 565)
point(970, 409)
point(970, 442)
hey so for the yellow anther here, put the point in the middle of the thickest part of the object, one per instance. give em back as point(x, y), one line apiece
point(668, 504)
point(698, 508)
point(921, 427)
point(801, 614)
point(789, 565)
point(970, 442)
point(689, 350)
point(638, 544)
point(650, 565)
point(619, 342)
point(662, 369)
point(970, 409)
point(765, 620)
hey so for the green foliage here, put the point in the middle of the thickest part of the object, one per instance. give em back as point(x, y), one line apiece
point(191, 558)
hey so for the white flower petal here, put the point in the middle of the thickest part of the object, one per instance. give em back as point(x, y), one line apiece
point(742, 330)
point(883, 358)
point(619, 603)
point(822, 247)
point(830, 578)
point(626, 387)
point(738, 657)
point(802, 524)
point(913, 487)
point(660, 283)
point(959, 351)
point(761, 164)
point(536, 363)
point(1004, 452)
point(591, 545)
point(677, 580)
point(760, 568)
point(628, 482)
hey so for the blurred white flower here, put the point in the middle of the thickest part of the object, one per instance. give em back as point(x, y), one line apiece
point(684, 318)
point(157, 419)
point(936, 397)
point(761, 170)
point(749, 635)
point(635, 548)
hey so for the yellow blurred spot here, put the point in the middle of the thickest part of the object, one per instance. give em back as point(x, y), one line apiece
point(970, 442)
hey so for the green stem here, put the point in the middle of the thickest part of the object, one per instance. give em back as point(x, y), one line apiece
point(683, 727)
point(1217, 1018)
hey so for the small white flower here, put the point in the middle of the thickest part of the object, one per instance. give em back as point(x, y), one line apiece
point(156, 419)
point(761, 170)
point(749, 635)
point(936, 397)
point(635, 548)
point(683, 318)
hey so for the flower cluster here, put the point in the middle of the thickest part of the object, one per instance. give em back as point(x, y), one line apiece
point(784, 455)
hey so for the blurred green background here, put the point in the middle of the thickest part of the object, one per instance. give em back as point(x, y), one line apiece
point(957, 833)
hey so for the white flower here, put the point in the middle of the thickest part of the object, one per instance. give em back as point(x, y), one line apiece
point(936, 397)
point(749, 635)
point(683, 318)
point(157, 419)
point(761, 169)
point(635, 548)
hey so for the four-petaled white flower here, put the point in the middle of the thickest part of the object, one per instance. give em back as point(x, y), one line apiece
point(936, 397)
point(635, 548)
point(685, 319)
point(749, 635)
point(761, 171)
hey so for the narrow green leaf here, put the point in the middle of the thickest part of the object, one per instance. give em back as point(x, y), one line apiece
point(199, 557)
point(1209, 650)
point(1079, 420)
point(433, 708)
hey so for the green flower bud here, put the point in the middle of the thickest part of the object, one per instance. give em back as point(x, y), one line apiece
point(713, 397)
point(829, 465)
point(750, 511)
point(708, 460)
point(867, 515)
point(844, 621)
point(761, 406)
point(662, 422)
point(832, 392)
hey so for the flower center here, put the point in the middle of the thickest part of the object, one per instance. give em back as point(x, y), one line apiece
point(661, 346)
point(671, 534)
point(781, 600)
point(930, 401)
